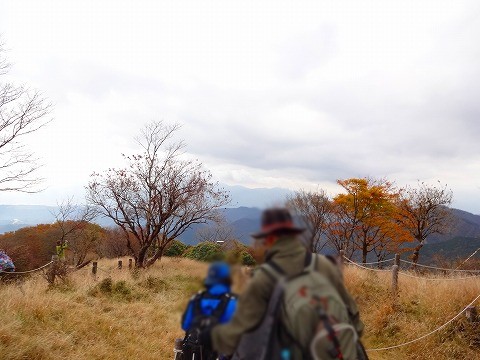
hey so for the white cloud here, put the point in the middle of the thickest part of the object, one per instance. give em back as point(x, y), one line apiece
point(272, 93)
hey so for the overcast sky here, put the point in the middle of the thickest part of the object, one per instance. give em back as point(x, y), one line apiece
point(291, 94)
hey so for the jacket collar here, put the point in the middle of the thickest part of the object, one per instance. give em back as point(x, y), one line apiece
point(286, 246)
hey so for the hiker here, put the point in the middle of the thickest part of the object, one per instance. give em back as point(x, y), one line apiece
point(6, 264)
point(261, 328)
point(214, 305)
point(60, 249)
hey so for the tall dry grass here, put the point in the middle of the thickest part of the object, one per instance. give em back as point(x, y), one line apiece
point(136, 315)
point(421, 307)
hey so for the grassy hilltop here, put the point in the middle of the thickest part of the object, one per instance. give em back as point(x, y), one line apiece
point(136, 315)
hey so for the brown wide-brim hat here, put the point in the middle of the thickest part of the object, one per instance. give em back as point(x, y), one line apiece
point(277, 220)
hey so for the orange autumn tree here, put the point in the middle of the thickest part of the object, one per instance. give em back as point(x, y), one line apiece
point(30, 247)
point(364, 217)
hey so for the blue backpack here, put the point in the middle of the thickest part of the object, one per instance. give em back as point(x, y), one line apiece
point(205, 315)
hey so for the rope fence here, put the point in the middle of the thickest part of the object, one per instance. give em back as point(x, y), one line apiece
point(439, 278)
point(430, 333)
point(94, 268)
point(395, 273)
point(362, 266)
point(26, 272)
point(468, 258)
point(379, 262)
point(438, 268)
point(365, 267)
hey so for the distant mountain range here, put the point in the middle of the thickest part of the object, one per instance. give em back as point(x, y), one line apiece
point(14, 217)
point(259, 197)
point(455, 248)
point(461, 241)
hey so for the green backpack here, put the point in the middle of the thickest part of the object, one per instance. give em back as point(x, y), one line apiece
point(314, 315)
point(306, 319)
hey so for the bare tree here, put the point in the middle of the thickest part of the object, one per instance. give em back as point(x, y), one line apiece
point(313, 210)
point(219, 232)
point(22, 112)
point(157, 196)
point(74, 228)
point(112, 245)
point(424, 211)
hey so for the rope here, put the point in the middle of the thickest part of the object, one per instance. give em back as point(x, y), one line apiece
point(437, 268)
point(105, 271)
point(25, 272)
point(364, 267)
point(378, 262)
point(430, 333)
point(441, 279)
point(412, 276)
point(467, 258)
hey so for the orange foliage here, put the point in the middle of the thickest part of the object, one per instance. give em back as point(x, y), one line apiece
point(364, 217)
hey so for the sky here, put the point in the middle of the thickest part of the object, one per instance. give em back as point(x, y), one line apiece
point(288, 94)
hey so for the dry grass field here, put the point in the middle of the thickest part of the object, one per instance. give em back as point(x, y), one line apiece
point(135, 315)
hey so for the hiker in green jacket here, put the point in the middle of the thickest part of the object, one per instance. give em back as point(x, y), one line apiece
point(278, 238)
point(60, 249)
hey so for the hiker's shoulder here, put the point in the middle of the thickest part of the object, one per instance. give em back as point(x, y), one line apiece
point(262, 273)
point(262, 280)
point(326, 263)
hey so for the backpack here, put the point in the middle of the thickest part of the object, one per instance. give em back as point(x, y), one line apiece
point(306, 319)
point(191, 346)
point(6, 263)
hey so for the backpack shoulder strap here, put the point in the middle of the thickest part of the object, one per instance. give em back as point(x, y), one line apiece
point(273, 271)
point(197, 303)
point(222, 306)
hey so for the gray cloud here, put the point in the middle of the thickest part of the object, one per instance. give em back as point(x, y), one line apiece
point(342, 92)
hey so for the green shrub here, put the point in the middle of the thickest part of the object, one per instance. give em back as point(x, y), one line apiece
point(154, 284)
point(240, 255)
point(106, 285)
point(119, 290)
point(205, 251)
point(176, 248)
point(247, 259)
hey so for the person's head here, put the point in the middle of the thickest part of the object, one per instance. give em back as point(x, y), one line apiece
point(275, 223)
point(218, 273)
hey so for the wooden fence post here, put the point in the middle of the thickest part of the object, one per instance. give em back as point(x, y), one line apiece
point(395, 277)
point(130, 263)
point(120, 264)
point(341, 260)
point(53, 270)
point(471, 313)
point(94, 269)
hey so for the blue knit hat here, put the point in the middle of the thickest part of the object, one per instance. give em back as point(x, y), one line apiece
point(218, 273)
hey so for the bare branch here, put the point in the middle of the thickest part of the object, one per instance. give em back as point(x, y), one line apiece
point(22, 112)
point(157, 196)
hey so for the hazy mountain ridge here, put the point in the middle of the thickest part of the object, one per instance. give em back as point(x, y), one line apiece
point(246, 220)
point(456, 248)
point(466, 225)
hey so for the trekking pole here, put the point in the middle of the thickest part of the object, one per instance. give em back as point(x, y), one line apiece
point(177, 350)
